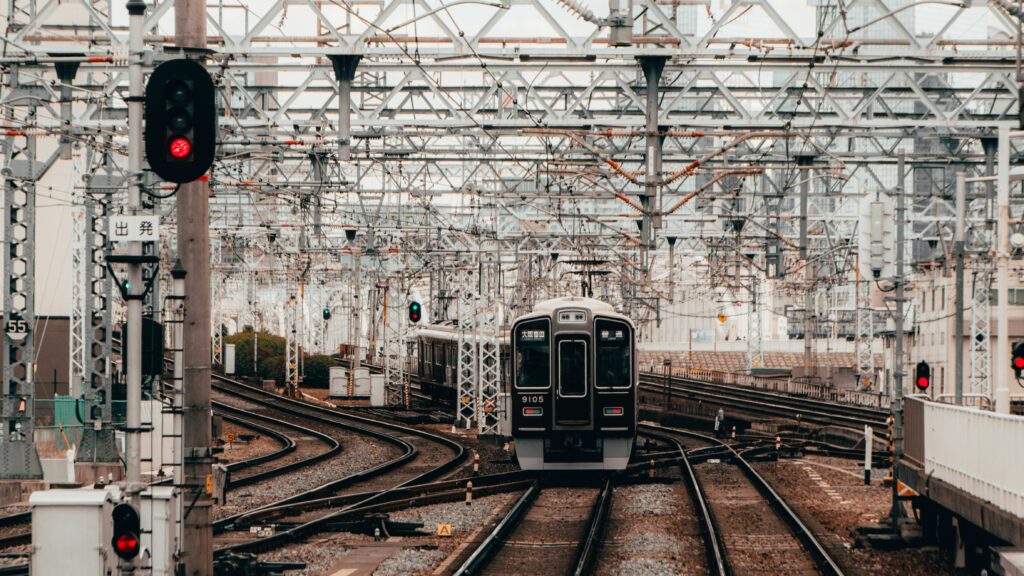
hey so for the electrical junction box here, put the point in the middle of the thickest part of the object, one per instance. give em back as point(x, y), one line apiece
point(71, 532)
point(229, 359)
point(338, 382)
point(378, 394)
point(159, 509)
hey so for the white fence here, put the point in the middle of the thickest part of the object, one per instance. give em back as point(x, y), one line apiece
point(976, 451)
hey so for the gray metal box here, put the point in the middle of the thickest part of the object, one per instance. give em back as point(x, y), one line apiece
point(71, 531)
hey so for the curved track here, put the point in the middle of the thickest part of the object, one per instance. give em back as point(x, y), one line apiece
point(726, 546)
point(424, 456)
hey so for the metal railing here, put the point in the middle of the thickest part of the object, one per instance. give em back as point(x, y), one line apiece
point(779, 385)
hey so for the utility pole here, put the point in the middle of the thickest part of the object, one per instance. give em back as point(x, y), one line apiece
point(805, 184)
point(194, 251)
point(958, 249)
point(1002, 359)
point(897, 397)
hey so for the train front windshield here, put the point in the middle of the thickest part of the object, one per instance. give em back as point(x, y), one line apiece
point(614, 357)
point(533, 354)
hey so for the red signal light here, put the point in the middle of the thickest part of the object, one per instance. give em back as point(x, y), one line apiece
point(922, 382)
point(1018, 362)
point(180, 148)
point(127, 545)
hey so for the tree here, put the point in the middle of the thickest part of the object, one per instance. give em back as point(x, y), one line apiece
point(270, 355)
point(318, 371)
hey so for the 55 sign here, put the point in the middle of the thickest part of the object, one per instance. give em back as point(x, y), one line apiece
point(16, 328)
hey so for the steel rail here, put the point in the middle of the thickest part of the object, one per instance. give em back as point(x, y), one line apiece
point(757, 403)
point(587, 551)
point(811, 403)
point(714, 544)
point(334, 447)
point(826, 564)
point(478, 560)
point(345, 420)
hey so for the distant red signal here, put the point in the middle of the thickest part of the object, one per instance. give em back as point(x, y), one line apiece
point(180, 148)
point(923, 374)
point(1018, 359)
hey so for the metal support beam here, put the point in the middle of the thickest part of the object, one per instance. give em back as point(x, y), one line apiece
point(18, 456)
point(344, 71)
point(651, 198)
point(489, 315)
point(755, 342)
point(466, 378)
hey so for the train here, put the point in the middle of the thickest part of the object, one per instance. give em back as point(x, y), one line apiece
point(570, 380)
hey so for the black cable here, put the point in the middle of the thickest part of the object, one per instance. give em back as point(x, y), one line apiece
point(162, 196)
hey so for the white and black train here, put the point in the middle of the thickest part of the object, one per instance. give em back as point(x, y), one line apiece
point(570, 373)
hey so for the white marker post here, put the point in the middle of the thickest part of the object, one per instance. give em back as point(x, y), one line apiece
point(869, 435)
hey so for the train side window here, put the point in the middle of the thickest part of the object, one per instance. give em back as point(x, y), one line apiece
point(533, 355)
point(572, 368)
point(614, 356)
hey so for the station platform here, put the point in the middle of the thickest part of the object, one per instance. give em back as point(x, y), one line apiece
point(962, 462)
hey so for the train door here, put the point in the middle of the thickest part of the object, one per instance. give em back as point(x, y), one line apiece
point(572, 379)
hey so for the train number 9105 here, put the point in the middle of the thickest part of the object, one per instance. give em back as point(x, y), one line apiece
point(533, 399)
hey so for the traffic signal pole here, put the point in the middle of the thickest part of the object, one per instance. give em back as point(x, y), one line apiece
point(193, 211)
point(133, 339)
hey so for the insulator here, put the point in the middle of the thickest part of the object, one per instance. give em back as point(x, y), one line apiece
point(578, 9)
point(121, 55)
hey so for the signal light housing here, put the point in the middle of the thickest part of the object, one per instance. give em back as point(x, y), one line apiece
point(922, 376)
point(415, 312)
point(125, 541)
point(1018, 359)
point(181, 120)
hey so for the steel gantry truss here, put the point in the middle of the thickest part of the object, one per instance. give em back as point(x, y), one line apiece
point(18, 456)
point(332, 122)
point(468, 296)
point(96, 306)
point(981, 319)
point(395, 346)
point(865, 335)
point(755, 342)
point(489, 314)
point(292, 374)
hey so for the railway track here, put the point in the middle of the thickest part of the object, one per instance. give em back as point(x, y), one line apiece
point(267, 465)
point(760, 402)
point(748, 527)
point(271, 468)
point(11, 536)
point(424, 456)
point(549, 530)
